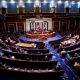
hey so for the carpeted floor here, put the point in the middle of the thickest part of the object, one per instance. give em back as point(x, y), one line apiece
point(69, 74)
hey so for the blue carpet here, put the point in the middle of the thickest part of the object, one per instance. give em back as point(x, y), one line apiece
point(56, 37)
point(66, 68)
point(23, 37)
point(70, 74)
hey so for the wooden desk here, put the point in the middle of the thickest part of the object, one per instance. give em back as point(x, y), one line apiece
point(26, 45)
point(70, 41)
point(41, 36)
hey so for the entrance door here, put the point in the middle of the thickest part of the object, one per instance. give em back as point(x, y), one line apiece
point(11, 28)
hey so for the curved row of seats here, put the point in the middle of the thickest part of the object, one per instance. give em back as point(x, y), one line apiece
point(30, 62)
point(17, 73)
point(72, 49)
point(25, 56)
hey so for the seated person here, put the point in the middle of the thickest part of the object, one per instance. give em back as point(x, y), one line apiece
point(60, 46)
point(1, 53)
point(12, 57)
point(8, 40)
point(21, 50)
point(15, 48)
point(76, 65)
point(39, 30)
point(33, 45)
point(3, 45)
point(1, 40)
point(53, 57)
point(58, 67)
point(67, 57)
point(63, 53)
point(9, 49)
point(76, 55)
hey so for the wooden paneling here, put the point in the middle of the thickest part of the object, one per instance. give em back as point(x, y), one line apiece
point(3, 10)
point(20, 10)
point(20, 27)
point(11, 27)
point(66, 10)
point(37, 9)
point(60, 20)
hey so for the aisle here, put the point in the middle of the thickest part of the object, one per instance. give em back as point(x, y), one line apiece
point(66, 68)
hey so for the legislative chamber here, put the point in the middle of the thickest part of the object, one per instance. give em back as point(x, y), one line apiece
point(39, 40)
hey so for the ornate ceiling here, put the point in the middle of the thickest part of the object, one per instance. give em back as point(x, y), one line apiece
point(46, 0)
